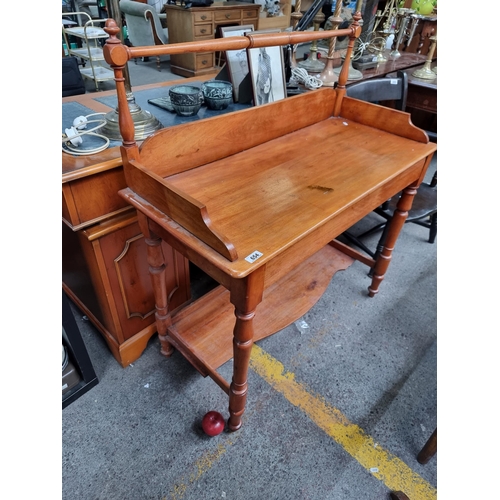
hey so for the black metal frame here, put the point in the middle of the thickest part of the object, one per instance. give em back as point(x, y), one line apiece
point(78, 354)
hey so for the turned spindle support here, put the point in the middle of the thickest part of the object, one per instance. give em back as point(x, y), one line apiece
point(353, 74)
point(397, 223)
point(157, 272)
point(246, 294)
point(144, 122)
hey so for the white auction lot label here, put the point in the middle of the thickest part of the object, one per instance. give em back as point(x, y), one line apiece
point(254, 256)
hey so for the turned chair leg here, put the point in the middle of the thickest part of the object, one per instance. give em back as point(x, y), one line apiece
point(158, 63)
point(433, 228)
point(429, 449)
point(434, 180)
point(398, 495)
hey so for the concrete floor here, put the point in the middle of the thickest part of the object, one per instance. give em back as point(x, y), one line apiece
point(339, 404)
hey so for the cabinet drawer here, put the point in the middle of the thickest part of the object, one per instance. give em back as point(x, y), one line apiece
point(203, 30)
point(228, 15)
point(205, 60)
point(249, 14)
point(202, 17)
point(93, 198)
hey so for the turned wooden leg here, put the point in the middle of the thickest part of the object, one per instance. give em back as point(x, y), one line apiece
point(246, 294)
point(398, 495)
point(397, 223)
point(157, 271)
point(429, 449)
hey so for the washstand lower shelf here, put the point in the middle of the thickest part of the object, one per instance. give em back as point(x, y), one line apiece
point(203, 331)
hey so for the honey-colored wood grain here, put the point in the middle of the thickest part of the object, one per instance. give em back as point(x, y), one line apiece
point(92, 198)
point(205, 327)
point(264, 198)
point(390, 120)
point(201, 142)
point(255, 199)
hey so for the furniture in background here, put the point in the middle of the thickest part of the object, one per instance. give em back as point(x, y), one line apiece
point(72, 80)
point(103, 251)
point(90, 33)
point(144, 25)
point(263, 230)
point(422, 101)
point(202, 23)
point(393, 91)
point(277, 22)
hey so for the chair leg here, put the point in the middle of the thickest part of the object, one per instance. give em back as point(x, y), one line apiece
point(398, 495)
point(429, 449)
point(433, 228)
point(380, 246)
point(434, 180)
point(158, 63)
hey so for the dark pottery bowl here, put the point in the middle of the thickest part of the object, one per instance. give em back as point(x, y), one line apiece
point(218, 94)
point(186, 99)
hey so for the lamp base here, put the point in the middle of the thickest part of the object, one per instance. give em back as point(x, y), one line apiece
point(424, 73)
point(144, 122)
point(312, 65)
point(353, 74)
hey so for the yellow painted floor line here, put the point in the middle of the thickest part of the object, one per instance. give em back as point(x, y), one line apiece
point(386, 467)
point(202, 465)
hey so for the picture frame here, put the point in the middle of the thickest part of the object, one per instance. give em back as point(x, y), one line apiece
point(267, 72)
point(236, 60)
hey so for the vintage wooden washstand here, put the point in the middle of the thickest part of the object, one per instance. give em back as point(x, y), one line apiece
point(256, 198)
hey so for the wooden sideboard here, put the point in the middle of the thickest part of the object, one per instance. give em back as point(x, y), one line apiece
point(104, 269)
point(202, 23)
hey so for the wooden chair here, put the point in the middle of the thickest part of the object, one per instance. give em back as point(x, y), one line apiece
point(393, 92)
point(425, 454)
point(144, 25)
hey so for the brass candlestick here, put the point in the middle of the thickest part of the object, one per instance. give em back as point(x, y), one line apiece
point(383, 31)
point(426, 72)
point(144, 122)
point(353, 74)
point(296, 16)
point(415, 19)
point(328, 76)
point(403, 17)
point(312, 64)
point(378, 43)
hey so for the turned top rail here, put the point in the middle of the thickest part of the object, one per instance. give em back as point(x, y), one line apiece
point(117, 55)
